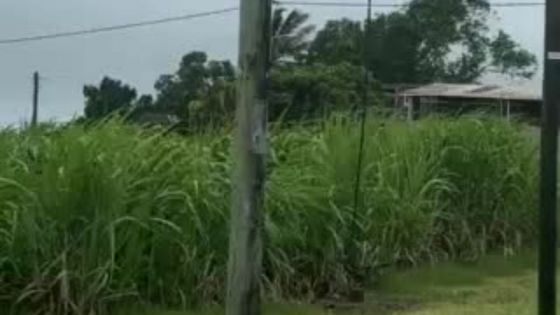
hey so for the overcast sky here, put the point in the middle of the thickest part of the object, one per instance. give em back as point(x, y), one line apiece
point(140, 55)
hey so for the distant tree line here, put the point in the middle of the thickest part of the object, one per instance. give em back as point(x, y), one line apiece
point(317, 72)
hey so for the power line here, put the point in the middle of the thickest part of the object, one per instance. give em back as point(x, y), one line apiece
point(339, 4)
point(112, 28)
point(105, 29)
point(395, 5)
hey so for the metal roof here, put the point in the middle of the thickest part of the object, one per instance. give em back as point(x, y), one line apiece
point(476, 91)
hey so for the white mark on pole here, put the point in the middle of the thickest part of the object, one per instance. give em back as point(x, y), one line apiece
point(259, 144)
point(553, 55)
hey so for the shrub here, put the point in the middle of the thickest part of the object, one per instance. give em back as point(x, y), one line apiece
point(93, 217)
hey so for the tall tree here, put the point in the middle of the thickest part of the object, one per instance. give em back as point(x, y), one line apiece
point(109, 97)
point(430, 40)
point(507, 55)
point(339, 41)
point(200, 89)
point(314, 90)
point(290, 34)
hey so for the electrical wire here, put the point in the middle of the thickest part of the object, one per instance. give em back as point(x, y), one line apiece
point(394, 5)
point(112, 28)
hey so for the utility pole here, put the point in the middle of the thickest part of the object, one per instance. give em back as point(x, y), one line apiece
point(35, 98)
point(246, 222)
point(549, 157)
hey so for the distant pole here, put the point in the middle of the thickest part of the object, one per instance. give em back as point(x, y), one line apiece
point(548, 170)
point(246, 227)
point(35, 98)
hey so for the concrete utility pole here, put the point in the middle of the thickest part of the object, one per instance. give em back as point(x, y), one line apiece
point(35, 98)
point(549, 157)
point(245, 251)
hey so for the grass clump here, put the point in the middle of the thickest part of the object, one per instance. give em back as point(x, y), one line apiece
point(94, 218)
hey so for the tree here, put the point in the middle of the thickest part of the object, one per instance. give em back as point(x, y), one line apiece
point(431, 40)
point(111, 96)
point(290, 34)
point(199, 91)
point(145, 102)
point(312, 91)
point(508, 57)
point(338, 41)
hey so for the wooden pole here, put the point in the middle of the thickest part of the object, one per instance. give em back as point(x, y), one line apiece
point(35, 99)
point(549, 160)
point(246, 227)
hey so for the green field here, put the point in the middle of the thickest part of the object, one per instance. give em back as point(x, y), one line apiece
point(94, 218)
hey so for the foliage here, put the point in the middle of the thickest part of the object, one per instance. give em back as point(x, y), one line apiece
point(507, 56)
point(199, 88)
point(290, 35)
point(300, 92)
point(431, 40)
point(339, 41)
point(145, 101)
point(111, 96)
point(98, 216)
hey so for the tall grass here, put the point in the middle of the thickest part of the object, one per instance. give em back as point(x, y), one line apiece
point(93, 218)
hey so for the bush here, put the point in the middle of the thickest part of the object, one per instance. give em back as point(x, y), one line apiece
point(93, 217)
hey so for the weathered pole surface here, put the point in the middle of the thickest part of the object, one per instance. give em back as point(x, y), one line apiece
point(549, 152)
point(246, 245)
point(35, 99)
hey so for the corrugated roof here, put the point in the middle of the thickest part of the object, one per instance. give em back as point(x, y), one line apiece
point(477, 91)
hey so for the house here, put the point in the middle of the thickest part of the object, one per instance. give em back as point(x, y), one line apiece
point(156, 119)
point(457, 99)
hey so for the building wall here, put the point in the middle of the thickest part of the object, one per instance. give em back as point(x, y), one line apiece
point(418, 106)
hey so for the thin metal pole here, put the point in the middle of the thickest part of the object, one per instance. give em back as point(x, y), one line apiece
point(548, 170)
point(363, 111)
point(246, 221)
point(363, 117)
point(35, 99)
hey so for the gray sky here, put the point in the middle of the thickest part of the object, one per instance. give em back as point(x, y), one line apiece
point(140, 55)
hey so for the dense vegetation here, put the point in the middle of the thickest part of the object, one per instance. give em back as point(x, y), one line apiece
point(93, 217)
point(314, 73)
point(100, 214)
